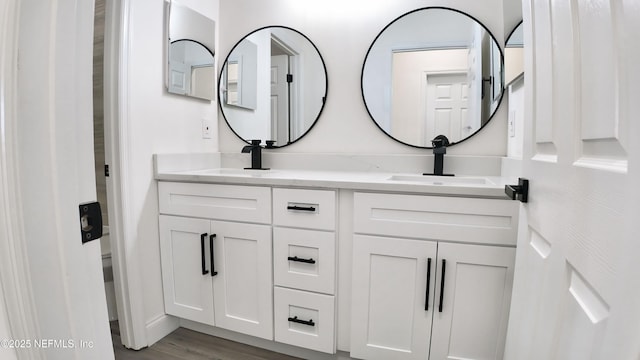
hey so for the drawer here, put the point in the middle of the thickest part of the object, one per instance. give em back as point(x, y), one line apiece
point(304, 319)
point(304, 259)
point(484, 221)
point(213, 201)
point(313, 209)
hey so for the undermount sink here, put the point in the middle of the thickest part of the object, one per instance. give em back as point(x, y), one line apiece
point(235, 172)
point(442, 180)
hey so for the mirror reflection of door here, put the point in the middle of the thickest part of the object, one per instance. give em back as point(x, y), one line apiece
point(446, 105)
point(279, 99)
point(283, 115)
point(430, 95)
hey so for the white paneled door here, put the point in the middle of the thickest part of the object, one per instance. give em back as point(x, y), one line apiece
point(47, 144)
point(576, 292)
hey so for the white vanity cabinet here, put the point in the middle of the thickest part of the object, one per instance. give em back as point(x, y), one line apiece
point(304, 260)
point(216, 266)
point(432, 276)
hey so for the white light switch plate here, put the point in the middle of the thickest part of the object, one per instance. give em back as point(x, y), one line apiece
point(512, 123)
point(206, 129)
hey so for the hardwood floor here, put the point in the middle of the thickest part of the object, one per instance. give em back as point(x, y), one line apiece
point(184, 344)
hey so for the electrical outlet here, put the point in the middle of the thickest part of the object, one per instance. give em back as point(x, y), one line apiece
point(206, 129)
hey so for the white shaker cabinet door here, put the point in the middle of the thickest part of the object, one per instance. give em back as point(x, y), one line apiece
point(186, 276)
point(475, 292)
point(243, 287)
point(390, 316)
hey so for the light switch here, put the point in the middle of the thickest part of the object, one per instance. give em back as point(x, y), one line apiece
point(512, 123)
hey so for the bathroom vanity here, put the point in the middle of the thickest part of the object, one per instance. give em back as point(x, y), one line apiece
point(379, 265)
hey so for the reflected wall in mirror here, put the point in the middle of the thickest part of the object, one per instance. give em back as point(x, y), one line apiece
point(242, 75)
point(191, 69)
point(273, 86)
point(514, 55)
point(432, 71)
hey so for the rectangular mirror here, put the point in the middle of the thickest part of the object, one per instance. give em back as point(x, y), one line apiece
point(191, 70)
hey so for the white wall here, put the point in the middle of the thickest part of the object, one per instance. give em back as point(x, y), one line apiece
point(343, 32)
point(156, 122)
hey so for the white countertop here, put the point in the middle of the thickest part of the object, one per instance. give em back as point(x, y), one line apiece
point(341, 171)
point(476, 186)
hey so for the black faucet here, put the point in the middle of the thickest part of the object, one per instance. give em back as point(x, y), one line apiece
point(256, 155)
point(440, 144)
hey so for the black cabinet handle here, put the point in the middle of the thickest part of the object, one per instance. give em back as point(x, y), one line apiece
point(295, 258)
point(444, 265)
point(204, 266)
point(301, 208)
point(303, 322)
point(426, 298)
point(213, 268)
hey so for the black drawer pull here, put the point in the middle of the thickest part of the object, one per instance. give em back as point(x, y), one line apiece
point(213, 268)
point(204, 266)
point(295, 258)
point(303, 322)
point(301, 208)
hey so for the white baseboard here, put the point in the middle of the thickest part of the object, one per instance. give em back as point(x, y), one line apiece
point(160, 327)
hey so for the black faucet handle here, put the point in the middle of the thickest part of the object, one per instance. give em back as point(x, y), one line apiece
point(270, 144)
point(256, 142)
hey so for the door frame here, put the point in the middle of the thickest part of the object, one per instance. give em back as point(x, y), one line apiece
point(295, 100)
point(118, 145)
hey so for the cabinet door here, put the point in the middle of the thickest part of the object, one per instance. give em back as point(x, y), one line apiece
point(472, 323)
point(389, 316)
point(243, 287)
point(188, 292)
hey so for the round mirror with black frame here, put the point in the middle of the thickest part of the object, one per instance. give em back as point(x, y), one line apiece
point(273, 86)
point(433, 71)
